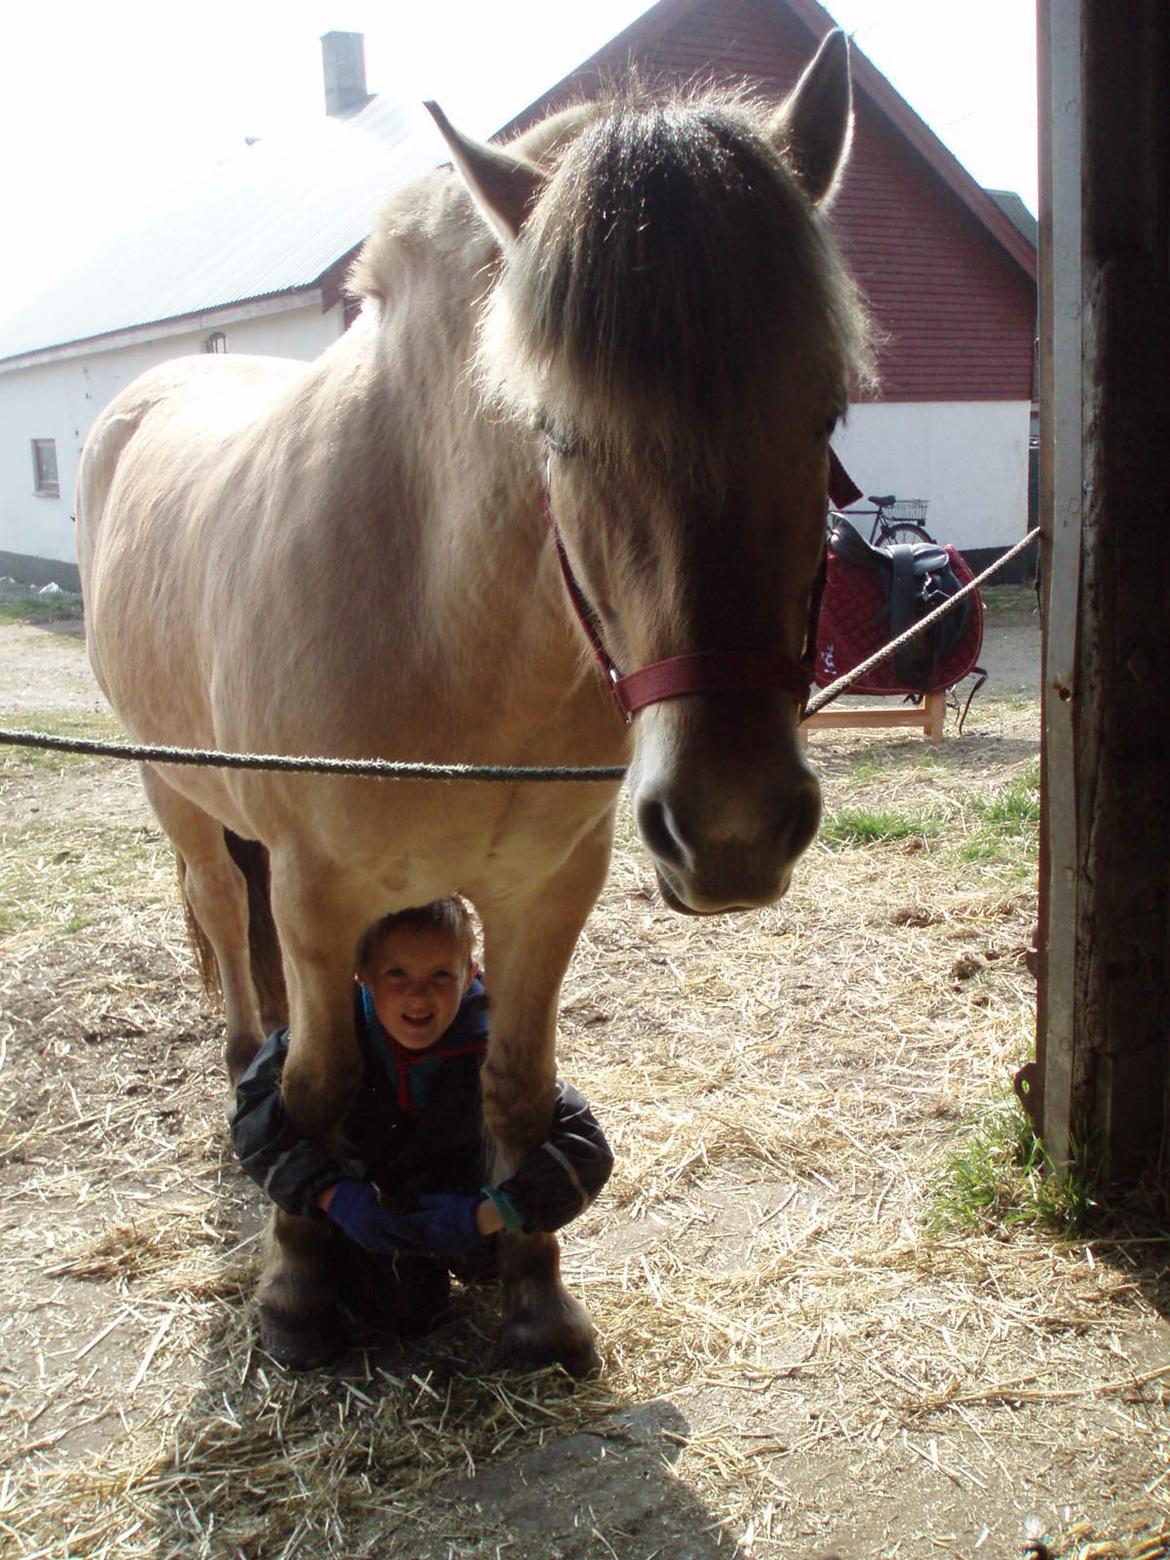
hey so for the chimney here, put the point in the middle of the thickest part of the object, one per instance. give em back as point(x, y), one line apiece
point(343, 57)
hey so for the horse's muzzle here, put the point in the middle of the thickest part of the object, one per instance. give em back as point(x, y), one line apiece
point(672, 902)
point(718, 853)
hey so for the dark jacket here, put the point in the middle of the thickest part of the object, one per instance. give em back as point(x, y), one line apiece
point(414, 1126)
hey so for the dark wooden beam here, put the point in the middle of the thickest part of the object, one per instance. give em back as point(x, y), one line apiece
point(1104, 1014)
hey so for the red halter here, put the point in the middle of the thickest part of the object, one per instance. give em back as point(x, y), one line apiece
point(704, 671)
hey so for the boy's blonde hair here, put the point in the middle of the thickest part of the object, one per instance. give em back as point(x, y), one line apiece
point(450, 916)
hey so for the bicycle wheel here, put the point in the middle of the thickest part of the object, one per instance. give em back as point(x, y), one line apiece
point(901, 533)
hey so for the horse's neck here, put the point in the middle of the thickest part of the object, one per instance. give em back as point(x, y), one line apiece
point(438, 496)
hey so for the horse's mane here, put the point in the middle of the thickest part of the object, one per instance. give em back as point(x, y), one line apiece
point(670, 273)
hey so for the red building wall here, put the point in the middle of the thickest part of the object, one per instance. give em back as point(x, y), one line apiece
point(957, 310)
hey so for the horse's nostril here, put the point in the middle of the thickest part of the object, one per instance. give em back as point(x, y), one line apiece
point(654, 825)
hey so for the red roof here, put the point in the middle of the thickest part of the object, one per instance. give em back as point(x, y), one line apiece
point(949, 277)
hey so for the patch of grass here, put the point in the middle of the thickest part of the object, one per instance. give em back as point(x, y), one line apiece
point(67, 723)
point(1005, 828)
point(36, 609)
point(929, 760)
point(1017, 805)
point(1000, 1176)
point(99, 724)
point(1001, 602)
point(875, 826)
point(866, 768)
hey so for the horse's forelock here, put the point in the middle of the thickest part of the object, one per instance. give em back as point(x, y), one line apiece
point(670, 269)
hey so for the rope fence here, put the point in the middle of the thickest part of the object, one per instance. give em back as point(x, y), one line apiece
point(377, 768)
point(391, 769)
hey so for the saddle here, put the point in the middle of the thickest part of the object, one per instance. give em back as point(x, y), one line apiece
point(873, 594)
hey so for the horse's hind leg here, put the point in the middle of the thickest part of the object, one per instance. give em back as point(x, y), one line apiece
point(216, 893)
point(528, 942)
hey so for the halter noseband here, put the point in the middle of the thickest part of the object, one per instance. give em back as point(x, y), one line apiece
point(704, 671)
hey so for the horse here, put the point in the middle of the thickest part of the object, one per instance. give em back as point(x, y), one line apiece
point(598, 364)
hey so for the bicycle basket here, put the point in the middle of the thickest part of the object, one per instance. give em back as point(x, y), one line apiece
point(909, 509)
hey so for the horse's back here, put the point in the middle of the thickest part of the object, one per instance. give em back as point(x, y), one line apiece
point(201, 398)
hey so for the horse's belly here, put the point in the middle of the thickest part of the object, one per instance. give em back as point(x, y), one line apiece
point(425, 839)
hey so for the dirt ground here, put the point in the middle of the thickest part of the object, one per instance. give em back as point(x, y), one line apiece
point(798, 1361)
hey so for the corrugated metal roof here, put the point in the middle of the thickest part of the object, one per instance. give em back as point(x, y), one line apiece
point(271, 219)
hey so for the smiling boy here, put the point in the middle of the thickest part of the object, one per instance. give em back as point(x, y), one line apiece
point(403, 1186)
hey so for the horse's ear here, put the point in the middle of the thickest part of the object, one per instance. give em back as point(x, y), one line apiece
point(814, 125)
point(502, 186)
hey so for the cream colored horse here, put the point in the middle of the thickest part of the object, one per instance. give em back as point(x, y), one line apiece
point(637, 302)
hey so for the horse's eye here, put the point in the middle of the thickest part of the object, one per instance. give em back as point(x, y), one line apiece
point(557, 439)
point(831, 426)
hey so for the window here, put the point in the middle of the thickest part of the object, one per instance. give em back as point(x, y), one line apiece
point(44, 454)
point(216, 342)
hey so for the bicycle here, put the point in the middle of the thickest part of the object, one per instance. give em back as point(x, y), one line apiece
point(896, 521)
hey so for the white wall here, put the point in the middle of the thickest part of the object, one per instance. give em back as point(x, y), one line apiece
point(969, 458)
point(60, 400)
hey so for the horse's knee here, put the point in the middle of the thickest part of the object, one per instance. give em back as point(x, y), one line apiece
point(317, 1091)
point(516, 1112)
point(542, 1323)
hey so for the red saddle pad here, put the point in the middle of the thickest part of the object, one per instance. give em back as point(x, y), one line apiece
point(855, 622)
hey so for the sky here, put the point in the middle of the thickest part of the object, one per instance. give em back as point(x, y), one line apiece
point(101, 105)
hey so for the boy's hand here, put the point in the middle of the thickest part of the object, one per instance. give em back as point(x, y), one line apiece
point(355, 1209)
point(445, 1223)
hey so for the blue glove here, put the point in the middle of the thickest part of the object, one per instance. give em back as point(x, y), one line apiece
point(355, 1209)
point(444, 1222)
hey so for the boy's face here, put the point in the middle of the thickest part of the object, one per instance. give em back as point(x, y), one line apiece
point(417, 977)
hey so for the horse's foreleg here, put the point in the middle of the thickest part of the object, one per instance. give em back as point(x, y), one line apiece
point(297, 1292)
point(528, 941)
point(319, 926)
point(318, 932)
point(217, 897)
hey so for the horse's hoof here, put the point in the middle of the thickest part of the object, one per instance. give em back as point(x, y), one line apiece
point(580, 1361)
point(527, 1344)
point(302, 1343)
point(543, 1324)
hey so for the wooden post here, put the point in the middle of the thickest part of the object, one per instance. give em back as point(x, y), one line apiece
point(1103, 1023)
point(927, 717)
point(936, 713)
